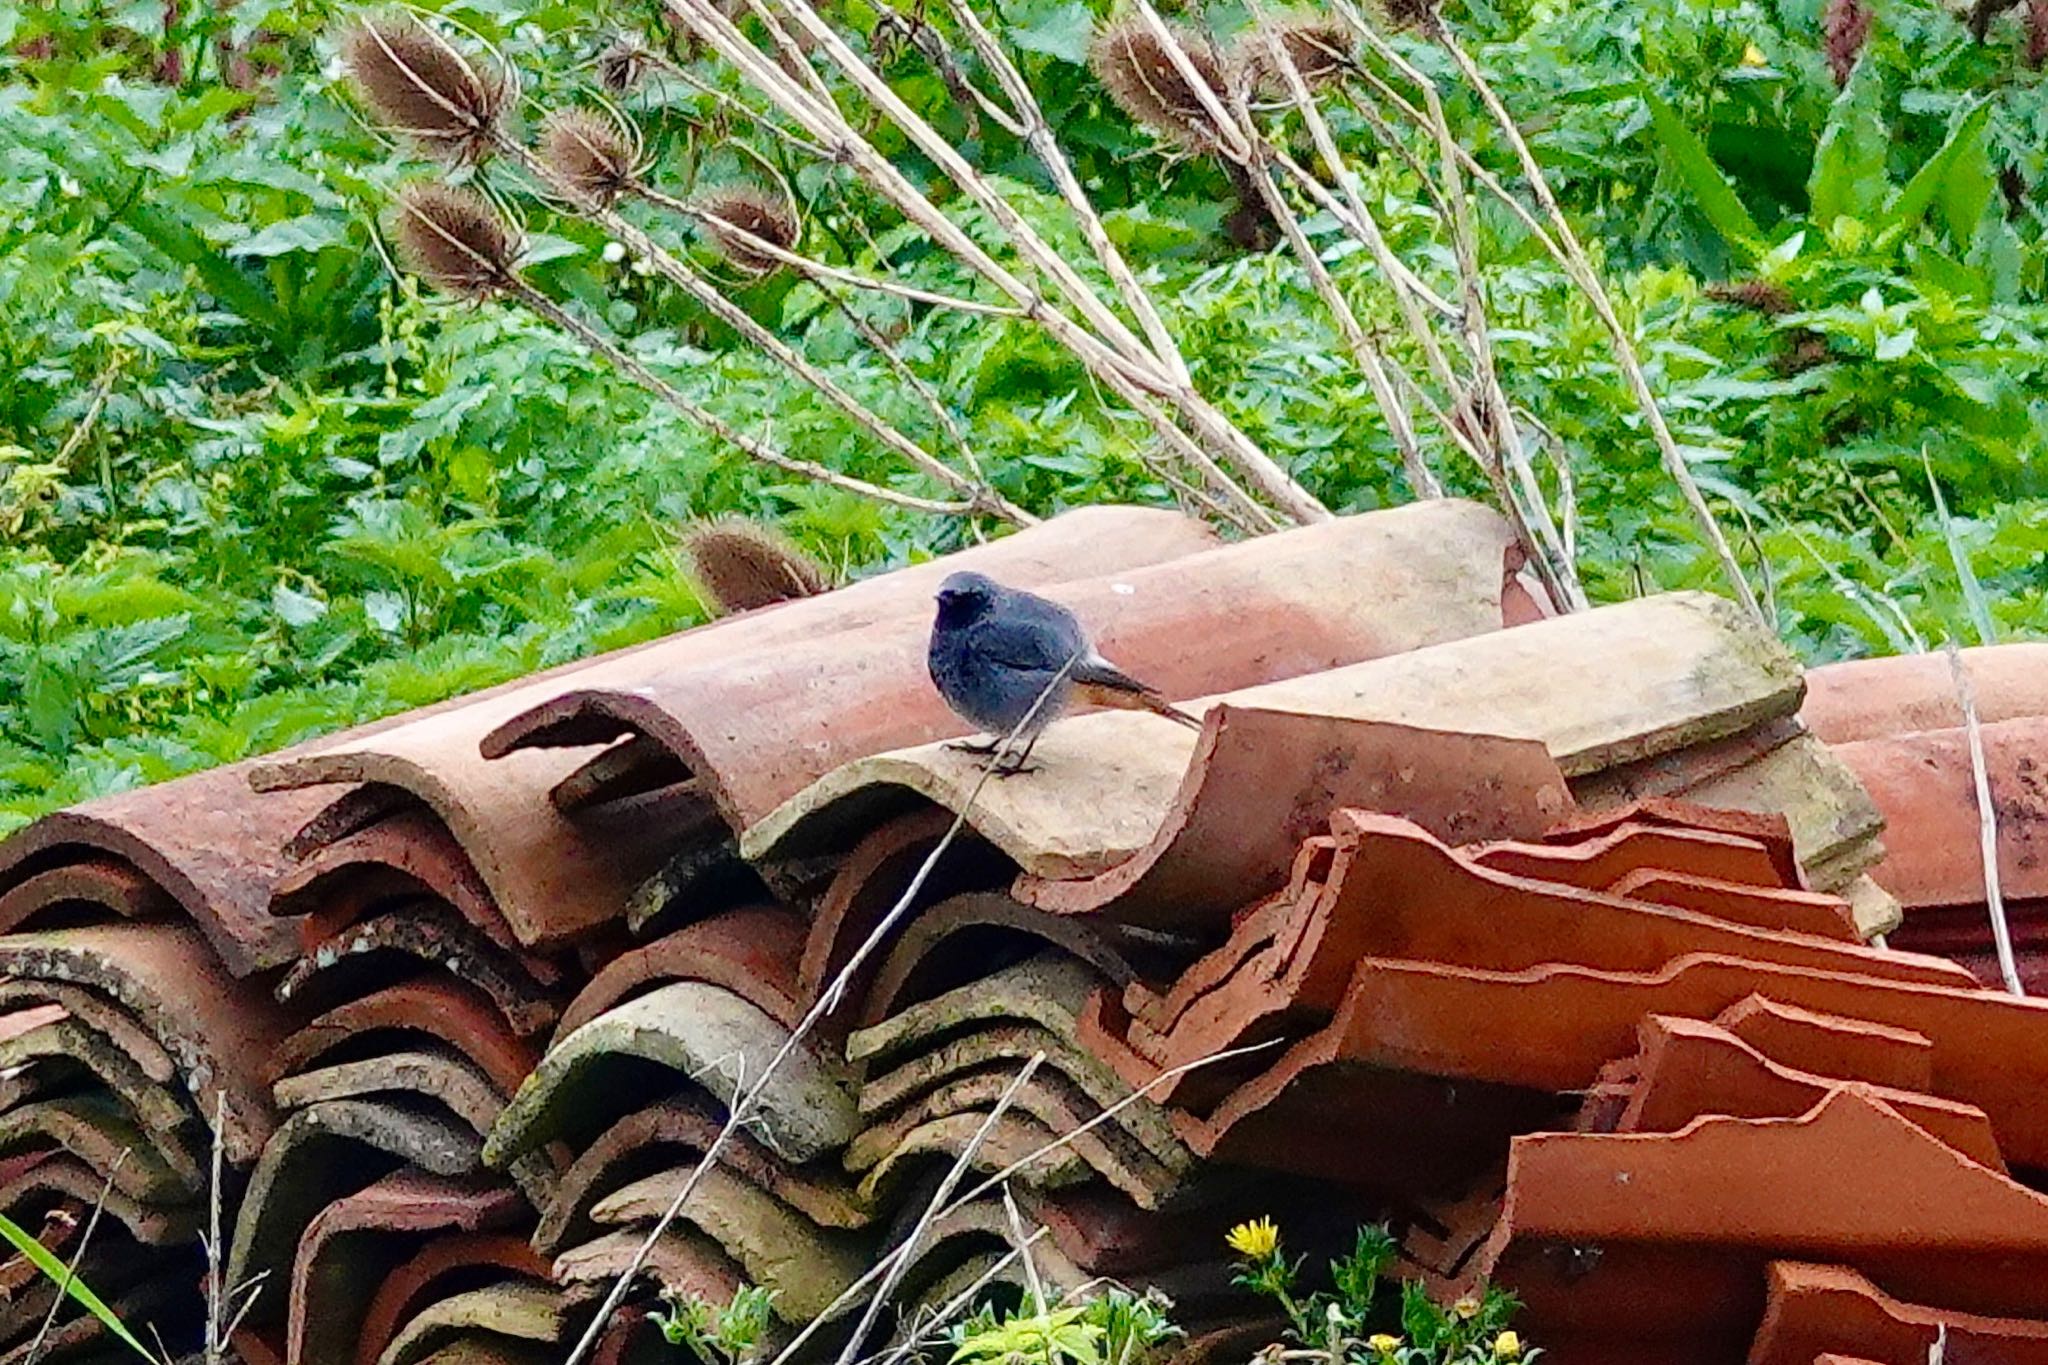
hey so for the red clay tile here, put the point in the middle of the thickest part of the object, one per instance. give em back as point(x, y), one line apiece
point(1260, 782)
point(683, 1261)
point(451, 1012)
point(1924, 785)
point(430, 934)
point(350, 1244)
point(1687, 1069)
point(402, 857)
point(166, 976)
point(1962, 933)
point(1799, 912)
point(43, 997)
point(410, 1286)
point(71, 1048)
point(151, 1167)
point(435, 1076)
point(199, 838)
point(549, 880)
point(508, 1319)
point(758, 728)
point(1831, 1045)
point(17, 1022)
point(100, 887)
point(752, 952)
point(1597, 863)
point(1676, 1215)
point(63, 1179)
point(675, 1132)
point(1812, 1310)
point(1878, 698)
point(961, 938)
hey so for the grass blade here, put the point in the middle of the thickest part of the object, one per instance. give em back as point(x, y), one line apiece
point(39, 1256)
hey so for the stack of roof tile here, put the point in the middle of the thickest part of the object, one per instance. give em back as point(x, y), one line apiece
point(1546, 944)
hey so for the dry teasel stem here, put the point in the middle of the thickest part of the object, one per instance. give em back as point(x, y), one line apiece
point(587, 156)
point(1760, 296)
point(418, 84)
point(740, 565)
point(457, 239)
point(1322, 50)
point(1143, 79)
point(753, 213)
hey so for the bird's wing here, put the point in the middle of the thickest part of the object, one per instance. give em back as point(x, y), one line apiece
point(1021, 637)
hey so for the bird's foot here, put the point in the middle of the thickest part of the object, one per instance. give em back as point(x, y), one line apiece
point(1012, 767)
point(965, 746)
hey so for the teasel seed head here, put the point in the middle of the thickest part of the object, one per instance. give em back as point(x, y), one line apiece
point(1404, 16)
point(417, 83)
point(751, 211)
point(587, 156)
point(1762, 296)
point(623, 65)
point(1322, 50)
point(1141, 76)
point(740, 565)
point(456, 239)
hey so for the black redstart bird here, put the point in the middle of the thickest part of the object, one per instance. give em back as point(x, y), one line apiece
point(995, 650)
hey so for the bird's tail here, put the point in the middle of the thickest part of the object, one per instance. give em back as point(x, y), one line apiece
point(1101, 683)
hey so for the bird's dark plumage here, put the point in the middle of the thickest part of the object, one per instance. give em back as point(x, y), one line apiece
point(995, 650)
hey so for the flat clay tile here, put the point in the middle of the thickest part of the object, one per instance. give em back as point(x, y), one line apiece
point(1597, 864)
point(1831, 1045)
point(1851, 1181)
point(1811, 1310)
point(349, 1245)
point(698, 1031)
point(675, 1131)
point(1259, 782)
point(1924, 784)
point(1878, 698)
point(450, 1012)
point(198, 838)
point(433, 935)
point(218, 1029)
point(324, 1153)
point(1105, 783)
point(549, 880)
point(778, 1248)
point(1800, 912)
point(752, 952)
point(759, 727)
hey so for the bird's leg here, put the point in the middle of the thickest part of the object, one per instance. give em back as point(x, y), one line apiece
point(964, 746)
point(1011, 767)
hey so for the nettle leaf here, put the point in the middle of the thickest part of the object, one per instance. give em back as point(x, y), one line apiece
point(1849, 167)
point(309, 232)
point(1060, 31)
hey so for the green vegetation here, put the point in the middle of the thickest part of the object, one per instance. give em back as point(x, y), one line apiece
point(255, 485)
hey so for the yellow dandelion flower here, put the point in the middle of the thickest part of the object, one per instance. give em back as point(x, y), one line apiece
point(1752, 55)
point(1383, 1344)
point(1507, 1346)
point(1466, 1308)
point(1256, 1240)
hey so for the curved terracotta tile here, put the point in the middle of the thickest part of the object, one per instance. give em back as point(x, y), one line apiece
point(1104, 783)
point(406, 855)
point(683, 1261)
point(1878, 698)
point(757, 729)
point(349, 1246)
point(150, 1166)
point(1924, 784)
point(434, 935)
point(751, 952)
point(106, 887)
point(711, 1039)
point(675, 1131)
point(61, 1178)
point(548, 878)
point(953, 940)
point(409, 1287)
point(1259, 782)
point(936, 1145)
point(165, 976)
point(71, 1044)
point(451, 1012)
point(508, 1311)
point(1812, 1311)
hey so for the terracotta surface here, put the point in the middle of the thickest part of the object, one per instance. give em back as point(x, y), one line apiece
point(1259, 782)
point(1877, 698)
point(351, 1244)
point(756, 729)
point(106, 887)
point(1812, 1310)
point(431, 935)
point(751, 952)
point(1801, 912)
point(549, 881)
point(62, 1177)
point(451, 1012)
point(1598, 863)
point(1831, 1044)
point(1924, 785)
point(462, 1257)
point(402, 857)
point(964, 937)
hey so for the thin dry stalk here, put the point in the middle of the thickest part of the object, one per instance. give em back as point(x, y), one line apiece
point(99, 1206)
point(917, 383)
point(952, 1309)
point(1588, 279)
point(1987, 824)
point(1111, 352)
point(951, 1182)
point(216, 1292)
point(1022, 1246)
point(745, 1100)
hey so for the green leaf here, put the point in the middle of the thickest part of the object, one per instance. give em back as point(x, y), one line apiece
point(1688, 159)
point(309, 232)
point(1848, 169)
point(1060, 31)
point(39, 1256)
point(1961, 157)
